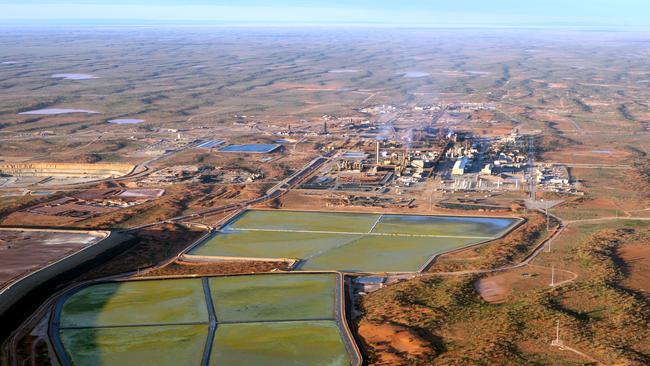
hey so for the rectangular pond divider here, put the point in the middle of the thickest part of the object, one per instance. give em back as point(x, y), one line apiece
point(213, 322)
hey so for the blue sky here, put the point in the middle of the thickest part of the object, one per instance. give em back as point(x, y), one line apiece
point(396, 12)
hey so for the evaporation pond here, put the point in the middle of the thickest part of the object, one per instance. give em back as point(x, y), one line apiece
point(251, 148)
point(270, 319)
point(350, 242)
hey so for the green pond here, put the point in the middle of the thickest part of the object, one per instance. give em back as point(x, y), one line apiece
point(274, 297)
point(349, 242)
point(384, 254)
point(302, 220)
point(124, 346)
point(272, 319)
point(264, 244)
point(279, 344)
point(136, 302)
point(487, 227)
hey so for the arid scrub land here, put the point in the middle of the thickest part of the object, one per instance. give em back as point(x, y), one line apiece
point(598, 314)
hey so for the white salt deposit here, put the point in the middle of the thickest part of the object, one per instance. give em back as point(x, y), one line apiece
point(415, 74)
point(601, 152)
point(125, 121)
point(342, 71)
point(479, 72)
point(54, 111)
point(74, 76)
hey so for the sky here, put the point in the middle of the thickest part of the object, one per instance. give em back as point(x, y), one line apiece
point(613, 13)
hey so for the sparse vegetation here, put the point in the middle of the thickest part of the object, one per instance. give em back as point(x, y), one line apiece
point(598, 316)
point(149, 247)
point(508, 250)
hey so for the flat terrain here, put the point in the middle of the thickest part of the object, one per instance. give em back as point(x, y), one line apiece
point(349, 242)
point(22, 252)
point(553, 82)
point(581, 96)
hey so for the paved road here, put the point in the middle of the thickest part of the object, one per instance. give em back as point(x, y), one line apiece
point(531, 168)
point(612, 218)
point(594, 166)
point(538, 250)
point(276, 191)
point(525, 262)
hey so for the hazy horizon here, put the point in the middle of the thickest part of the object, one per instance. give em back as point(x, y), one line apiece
point(417, 13)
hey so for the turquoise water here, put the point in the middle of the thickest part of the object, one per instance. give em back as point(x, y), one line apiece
point(251, 148)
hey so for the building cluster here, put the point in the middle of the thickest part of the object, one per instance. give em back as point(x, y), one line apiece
point(484, 164)
point(172, 175)
point(220, 175)
point(505, 154)
point(163, 145)
point(428, 108)
point(363, 126)
point(554, 178)
point(413, 164)
point(87, 204)
point(371, 201)
point(379, 109)
point(498, 164)
point(389, 165)
point(501, 155)
point(194, 174)
point(462, 154)
point(472, 107)
point(400, 162)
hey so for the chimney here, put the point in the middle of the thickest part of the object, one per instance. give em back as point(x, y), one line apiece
point(377, 152)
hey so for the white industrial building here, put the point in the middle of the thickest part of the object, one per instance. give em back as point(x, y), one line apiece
point(460, 165)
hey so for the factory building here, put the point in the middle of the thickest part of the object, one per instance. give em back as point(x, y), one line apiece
point(487, 169)
point(460, 165)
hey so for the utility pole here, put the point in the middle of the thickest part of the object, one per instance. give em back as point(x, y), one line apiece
point(547, 229)
point(552, 275)
point(557, 342)
point(546, 212)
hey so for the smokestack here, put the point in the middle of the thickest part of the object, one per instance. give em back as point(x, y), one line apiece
point(377, 152)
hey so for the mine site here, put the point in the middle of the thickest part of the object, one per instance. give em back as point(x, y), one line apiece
point(287, 196)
